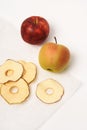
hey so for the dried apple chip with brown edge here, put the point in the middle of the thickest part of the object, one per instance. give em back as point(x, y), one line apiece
point(49, 91)
point(30, 71)
point(15, 92)
point(10, 70)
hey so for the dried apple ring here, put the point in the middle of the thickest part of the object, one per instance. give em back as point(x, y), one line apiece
point(15, 92)
point(29, 72)
point(10, 71)
point(0, 88)
point(49, 91)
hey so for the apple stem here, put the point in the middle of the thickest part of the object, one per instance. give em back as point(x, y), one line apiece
point(36, 21)
point(55, 40)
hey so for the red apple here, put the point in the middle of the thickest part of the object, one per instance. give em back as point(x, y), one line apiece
point(34, 30)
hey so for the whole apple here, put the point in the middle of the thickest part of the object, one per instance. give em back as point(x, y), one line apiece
point(34, 30)
point(54, 57)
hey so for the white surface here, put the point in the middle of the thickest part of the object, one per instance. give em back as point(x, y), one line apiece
point(34, 112)
point(68, 20)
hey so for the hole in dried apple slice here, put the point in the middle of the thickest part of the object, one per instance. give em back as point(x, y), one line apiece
point(49, 91)
point(14, 89)
point(9, 72)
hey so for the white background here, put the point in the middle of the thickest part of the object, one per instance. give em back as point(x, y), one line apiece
point(68, 21)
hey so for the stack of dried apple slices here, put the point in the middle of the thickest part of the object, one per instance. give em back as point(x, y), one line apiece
point(15, 77)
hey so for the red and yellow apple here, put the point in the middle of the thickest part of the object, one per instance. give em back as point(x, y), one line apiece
point(34, 29)
point(54, 57)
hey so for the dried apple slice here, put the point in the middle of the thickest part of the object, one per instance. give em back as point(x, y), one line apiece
point(0, 88)
point(10, 71)
point(49, 91)
point(15, 92)
point(29, 73)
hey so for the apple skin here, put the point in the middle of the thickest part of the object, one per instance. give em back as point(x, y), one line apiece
point(34, 30)
point(54, 57)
